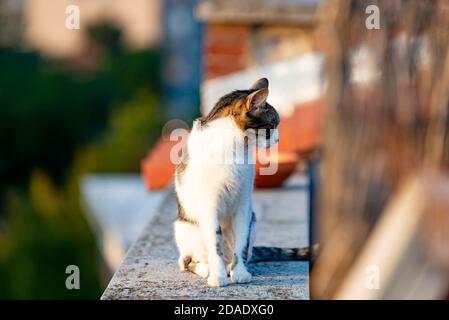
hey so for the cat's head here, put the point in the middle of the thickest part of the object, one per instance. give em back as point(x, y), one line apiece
point(251, 112)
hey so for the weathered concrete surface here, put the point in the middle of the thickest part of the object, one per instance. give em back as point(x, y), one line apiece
point(150, 270)
point(150, 279)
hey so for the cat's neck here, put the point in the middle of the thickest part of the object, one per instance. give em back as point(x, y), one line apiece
point(222, 137)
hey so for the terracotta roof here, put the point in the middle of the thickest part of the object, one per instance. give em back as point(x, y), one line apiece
point(259, 11)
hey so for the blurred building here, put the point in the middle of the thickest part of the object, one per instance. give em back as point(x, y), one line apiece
point(242, 42)
point(11, 12)
point(244, 34)
point(45, 29)
point(182, 34)
point(169, 25)
point(247, 40)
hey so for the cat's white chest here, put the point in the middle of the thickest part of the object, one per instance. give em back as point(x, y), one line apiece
point(217, 182)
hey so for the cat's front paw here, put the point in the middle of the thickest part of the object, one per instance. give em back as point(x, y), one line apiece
point(217, 281)
point(240, 275)
point(202, 269)
point(182, 264)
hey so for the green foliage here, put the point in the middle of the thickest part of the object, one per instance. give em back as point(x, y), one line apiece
point(56, 125)
point(132, 129)
point(107, 37)
point(40, 244)
point(46, 113)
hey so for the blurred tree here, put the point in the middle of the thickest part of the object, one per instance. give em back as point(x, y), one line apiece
point(60, 110)
point(56, 124)
point(39, 244)
point(106, 37)
point(132, 128)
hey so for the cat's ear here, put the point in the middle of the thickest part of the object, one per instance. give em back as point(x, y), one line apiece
point(257, 98)
point(260, 84)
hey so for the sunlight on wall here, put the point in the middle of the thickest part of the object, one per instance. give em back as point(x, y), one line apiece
point(44, 23)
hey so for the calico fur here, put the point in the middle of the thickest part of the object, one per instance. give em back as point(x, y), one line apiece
point(215, 227)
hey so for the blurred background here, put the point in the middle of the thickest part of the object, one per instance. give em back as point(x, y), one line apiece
point(84, 114)
point(82, 101)
point(84, 117)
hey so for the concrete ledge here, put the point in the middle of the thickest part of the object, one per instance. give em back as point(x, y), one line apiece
point(150, 270)
point(162, 280)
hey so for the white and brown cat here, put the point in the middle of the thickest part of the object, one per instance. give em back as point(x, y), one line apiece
point(215, 227)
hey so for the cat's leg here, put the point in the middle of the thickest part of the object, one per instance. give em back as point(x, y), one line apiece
point(228, 246)
point(181, 230)
point(244, 226)
point(200, 268)
point(189, 242)
point(183, 262)
point(251, 238)
point(227, 240)
point(212, 236)
point(192, 252)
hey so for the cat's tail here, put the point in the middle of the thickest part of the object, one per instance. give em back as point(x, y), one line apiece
point(260, 254)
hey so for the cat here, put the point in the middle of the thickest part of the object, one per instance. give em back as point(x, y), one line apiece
point(215, 226)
